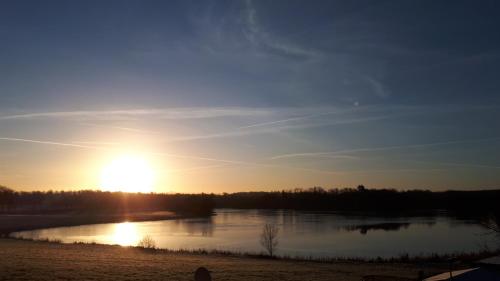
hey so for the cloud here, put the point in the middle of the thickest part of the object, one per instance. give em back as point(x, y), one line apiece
point(263, 39)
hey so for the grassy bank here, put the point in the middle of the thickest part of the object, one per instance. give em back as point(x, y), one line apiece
point(29, 260)
point(11, 223)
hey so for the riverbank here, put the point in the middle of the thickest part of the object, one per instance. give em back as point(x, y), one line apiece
point(31, 260)
point(21, 222)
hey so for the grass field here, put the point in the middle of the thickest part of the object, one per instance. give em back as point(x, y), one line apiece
point(29, 260)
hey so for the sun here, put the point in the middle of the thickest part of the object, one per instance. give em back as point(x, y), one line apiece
point(128, 173)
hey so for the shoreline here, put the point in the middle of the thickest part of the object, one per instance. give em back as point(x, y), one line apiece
point(10, 223)
point(463, 257)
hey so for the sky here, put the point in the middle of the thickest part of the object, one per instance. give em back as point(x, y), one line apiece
point(227, 96)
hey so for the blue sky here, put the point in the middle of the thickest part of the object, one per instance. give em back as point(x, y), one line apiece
point(247, 95)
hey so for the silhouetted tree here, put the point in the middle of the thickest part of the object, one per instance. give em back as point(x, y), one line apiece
point(6, 198)
point(269, 238)
point(147, 242)
point(492, 223)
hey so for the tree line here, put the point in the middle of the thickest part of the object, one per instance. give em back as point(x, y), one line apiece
point(90, 201)
point(362, 199)
point(359, 199)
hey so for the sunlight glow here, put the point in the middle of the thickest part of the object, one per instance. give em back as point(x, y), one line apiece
point(125, 234)
point(128, 173)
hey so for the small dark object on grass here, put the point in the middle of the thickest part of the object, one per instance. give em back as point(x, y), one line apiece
point(202, 274)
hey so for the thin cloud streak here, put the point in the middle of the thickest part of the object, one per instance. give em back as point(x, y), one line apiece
point(128, 129)
point(75, 145)
point(243, 132)
point(305, 117)
point(385, 113)
point(165, 113)
point(49, 142)
point(369, 149)
point(234, 162)
point(457, 164)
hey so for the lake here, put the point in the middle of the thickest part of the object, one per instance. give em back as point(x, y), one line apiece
point(305, 234)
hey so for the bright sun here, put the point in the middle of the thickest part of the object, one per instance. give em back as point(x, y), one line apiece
point(128, 173)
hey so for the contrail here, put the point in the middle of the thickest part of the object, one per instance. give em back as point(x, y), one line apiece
point(162, 113)
point(456, 164)
point(50, 143)
point(109, 149)
point(121, 128)
point(304, 117)
point(242, 132)
point(280, 121)
point(379, 148)
point(197, 168)
point(169, 155)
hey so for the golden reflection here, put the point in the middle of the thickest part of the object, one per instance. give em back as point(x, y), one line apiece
point(125, 234)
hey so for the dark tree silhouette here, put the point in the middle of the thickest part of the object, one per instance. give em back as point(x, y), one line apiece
point(269, 238)
point(492, 223)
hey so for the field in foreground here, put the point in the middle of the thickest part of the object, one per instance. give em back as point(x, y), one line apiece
point(29, 260)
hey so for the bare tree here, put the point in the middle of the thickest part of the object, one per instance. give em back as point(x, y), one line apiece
point(269, 238)
point(147, 242)
point(492, 223)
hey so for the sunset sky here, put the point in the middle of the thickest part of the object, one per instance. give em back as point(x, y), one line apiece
point(227, 96)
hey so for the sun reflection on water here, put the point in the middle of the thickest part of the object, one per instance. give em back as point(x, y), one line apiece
point(125, 234)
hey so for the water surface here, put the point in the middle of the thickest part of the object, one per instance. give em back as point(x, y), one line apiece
point(300, 233)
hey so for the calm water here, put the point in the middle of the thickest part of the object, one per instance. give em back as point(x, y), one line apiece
point(301, 233)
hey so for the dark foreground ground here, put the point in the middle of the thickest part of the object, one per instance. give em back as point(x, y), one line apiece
point(28, 260)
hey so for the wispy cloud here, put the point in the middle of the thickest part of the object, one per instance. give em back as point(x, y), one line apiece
point(256, 35)
point(378, 88)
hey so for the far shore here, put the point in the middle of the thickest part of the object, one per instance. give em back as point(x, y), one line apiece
point(20, 222)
